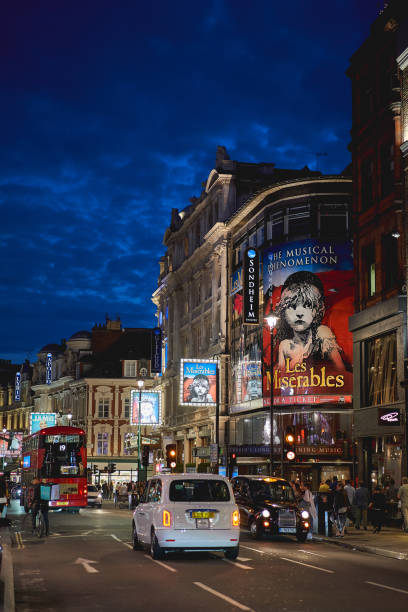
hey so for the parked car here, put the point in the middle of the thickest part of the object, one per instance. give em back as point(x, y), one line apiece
point(187, 512)
point(268, 506)
point(94, 496)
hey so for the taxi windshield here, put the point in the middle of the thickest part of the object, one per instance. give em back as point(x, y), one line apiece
point(272, 491)
point(199, 490)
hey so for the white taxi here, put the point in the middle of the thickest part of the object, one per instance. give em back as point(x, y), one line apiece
point(187, 512)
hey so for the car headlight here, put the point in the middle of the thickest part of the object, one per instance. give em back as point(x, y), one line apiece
point(100, 496)
point(266, 513)
point(304, 514)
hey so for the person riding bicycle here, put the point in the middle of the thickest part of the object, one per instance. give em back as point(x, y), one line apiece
point(39, 504)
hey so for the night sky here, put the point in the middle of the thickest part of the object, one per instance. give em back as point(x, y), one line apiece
point(111, 113)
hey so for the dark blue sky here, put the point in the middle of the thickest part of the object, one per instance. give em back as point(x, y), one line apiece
point(111, 115)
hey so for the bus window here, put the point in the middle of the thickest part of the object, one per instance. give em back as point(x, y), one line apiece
point(62, 456)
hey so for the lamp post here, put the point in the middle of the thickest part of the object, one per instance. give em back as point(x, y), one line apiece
point(140, 384)
point(271, 320)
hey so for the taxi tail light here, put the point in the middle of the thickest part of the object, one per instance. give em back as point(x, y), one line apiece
point(166, 518)
point(235, 518)
point(306, 524)
point(266, 523)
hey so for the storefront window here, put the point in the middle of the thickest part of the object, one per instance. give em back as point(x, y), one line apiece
point(381, 370)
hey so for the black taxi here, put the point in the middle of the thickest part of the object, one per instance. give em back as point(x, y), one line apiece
point(267, 505)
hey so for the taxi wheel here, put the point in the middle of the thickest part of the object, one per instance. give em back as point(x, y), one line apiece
point(232, 553)
point(156, 551)
point(255, 530)
point(135, 539)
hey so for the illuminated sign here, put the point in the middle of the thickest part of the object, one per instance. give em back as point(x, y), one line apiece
point(10, 443)
point(17, 387)
point(198, 382)
point(389, 416)
point(41, 420)
point(48, 369)
point(156, 359)
point(309, 286)
point(27, 461)
point(150, 407)
point(251, 286)
point(320, 450)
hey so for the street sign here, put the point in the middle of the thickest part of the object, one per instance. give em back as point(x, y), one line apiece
point(214, 453)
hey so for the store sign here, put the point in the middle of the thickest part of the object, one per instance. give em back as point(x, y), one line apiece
point(41, 420)
point(309, 286)
point(198, 382)
point(251, 286)
point(389, 417)
point(150, 407)
point(17, 386)
point(48, 369)
point(156, 358)
point(319, 450)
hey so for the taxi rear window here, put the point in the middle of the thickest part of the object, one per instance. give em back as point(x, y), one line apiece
point(199, 491)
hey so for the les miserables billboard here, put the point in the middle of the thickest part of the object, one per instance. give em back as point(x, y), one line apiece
point(198, 382)
point(308, 285)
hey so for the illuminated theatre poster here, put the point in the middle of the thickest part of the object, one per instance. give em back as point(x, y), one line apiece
point(309, 284)
point(150, 408)
point(198, 382)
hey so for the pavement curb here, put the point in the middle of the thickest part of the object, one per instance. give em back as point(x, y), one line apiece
point(362, 548)
point(7, 572)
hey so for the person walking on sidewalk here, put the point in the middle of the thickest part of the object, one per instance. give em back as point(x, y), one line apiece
point(361, 500)
point(351, 493)
point(340, 509)
point(378, 508)
point(403, 497)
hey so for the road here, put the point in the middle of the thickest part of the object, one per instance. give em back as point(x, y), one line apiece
point(87, 563)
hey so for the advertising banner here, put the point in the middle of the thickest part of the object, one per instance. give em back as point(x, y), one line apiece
point(150, 412)
point(308, 285)
point(10, 443)
point(251, 286)
point(156, 349)
point(198, 382)
point(41, 420)
point(17, 386)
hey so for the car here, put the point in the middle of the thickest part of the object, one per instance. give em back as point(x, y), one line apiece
point(267, 505)
point(187, 512)
point(94, 496)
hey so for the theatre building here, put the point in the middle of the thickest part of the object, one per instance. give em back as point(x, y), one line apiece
point(297, 374)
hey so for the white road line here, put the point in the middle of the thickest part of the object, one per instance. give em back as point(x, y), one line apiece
point(121, 541)
point(243, 559)
point(171, 569)
point(308, 552)
point(263, 552)
point(384, 586)
point(234, 602)
point(307, 565)
point(240, 565)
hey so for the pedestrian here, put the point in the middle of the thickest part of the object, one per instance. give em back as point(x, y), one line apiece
point(334, 484)
point(311, 508)
point(378, 509)
point(3, 495)
point(403, 498)
point(36, 504)
point(325, 487)
point(351, 493)
point(104, 490)
point(110, 493)
point(361, 500)
point(340, 509)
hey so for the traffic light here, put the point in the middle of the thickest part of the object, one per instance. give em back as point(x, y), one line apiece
point(111, 468)
point(95, 469)
point(289, 449)
point(105, 469)
point(171, 455)
point(145, 455)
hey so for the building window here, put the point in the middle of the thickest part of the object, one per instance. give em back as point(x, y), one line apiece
point(260, 235)
point(130, 369)
point(333, 220)
point(102, 444)
point(389, 260)
point(387, 169)
point(103, 408)
point(366, 184)
point(277, 226)
point(381, 370)
point(299, 220)
point(369, 270)
point(126, 408)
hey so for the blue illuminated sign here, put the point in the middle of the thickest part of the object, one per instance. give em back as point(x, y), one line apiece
point(48, 369)
point(27, 461)
point(17, 387)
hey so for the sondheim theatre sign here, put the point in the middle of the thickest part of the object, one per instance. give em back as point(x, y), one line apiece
point(251, 286)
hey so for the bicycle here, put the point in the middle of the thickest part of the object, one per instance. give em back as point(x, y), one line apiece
point(39, 524)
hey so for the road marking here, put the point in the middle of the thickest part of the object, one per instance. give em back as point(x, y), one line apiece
point(309, 552)
point(243, 559)
point(86, 565)
point(307, 565)
point(19, 540)
point(240, 565)
point(234, 602)
point(121, 541)
point(384, 586)
point(171, 569)
point(257, 550)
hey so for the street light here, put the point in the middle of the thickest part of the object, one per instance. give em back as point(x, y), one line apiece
point(140, 384)
point(271, 321)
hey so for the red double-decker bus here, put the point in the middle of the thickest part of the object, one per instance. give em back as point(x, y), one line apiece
point(56, 456)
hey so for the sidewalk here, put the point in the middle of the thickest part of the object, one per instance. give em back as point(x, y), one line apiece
point(390, 542)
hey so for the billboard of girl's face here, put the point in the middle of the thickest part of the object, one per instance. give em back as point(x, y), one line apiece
point(309, 287)
point(198, 384)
